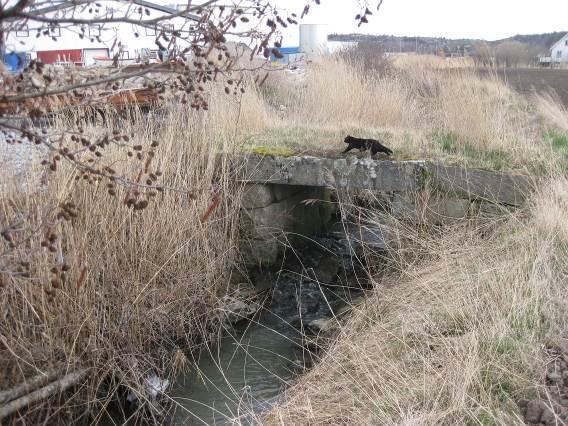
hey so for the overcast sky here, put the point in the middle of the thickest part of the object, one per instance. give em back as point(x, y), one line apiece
point(486, 19)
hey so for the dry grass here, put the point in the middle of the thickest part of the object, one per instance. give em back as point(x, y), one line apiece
point(427, 111)
point(409, 62)
point(152, 278)
point(458, 334)
point(456, 339)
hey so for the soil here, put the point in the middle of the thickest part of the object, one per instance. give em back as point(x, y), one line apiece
point(552, 407)
point(529, 81)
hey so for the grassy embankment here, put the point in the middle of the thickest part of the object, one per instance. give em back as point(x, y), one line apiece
point(464, 325)
point(140, 285)
point(421, 108)
point(154, 277)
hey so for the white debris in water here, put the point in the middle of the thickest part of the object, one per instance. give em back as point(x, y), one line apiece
point(155, 385)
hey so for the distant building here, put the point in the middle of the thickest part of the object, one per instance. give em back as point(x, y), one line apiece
point(559, 51)
point(85, 45)
point(290, 55)
point(313, 44)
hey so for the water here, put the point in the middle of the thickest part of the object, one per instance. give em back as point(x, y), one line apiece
point(243, 375)
point(248, 370)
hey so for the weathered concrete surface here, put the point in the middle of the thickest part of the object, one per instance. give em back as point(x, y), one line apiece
point(433, 210)
point(343, 173)
point(275, 212)
point(292, 213)
point(256, 195)
point(385, 176)
point(480, 184)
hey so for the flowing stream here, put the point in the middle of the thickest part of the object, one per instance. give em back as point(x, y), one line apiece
point(242, 376)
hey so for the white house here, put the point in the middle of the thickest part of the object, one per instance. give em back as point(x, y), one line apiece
point(559, 50)
point(88, 44)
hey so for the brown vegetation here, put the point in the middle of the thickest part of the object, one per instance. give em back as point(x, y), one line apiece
point(469, 321)
point(116, 290)
point(460, 334)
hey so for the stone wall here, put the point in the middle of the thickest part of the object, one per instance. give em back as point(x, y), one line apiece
point(354, 173)
point(287, 200)
point(274, 216)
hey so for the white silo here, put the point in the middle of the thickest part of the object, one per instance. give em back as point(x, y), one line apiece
point(313, 40)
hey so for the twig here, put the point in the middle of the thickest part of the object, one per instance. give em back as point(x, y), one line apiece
point(29, 385)
point(57, 386)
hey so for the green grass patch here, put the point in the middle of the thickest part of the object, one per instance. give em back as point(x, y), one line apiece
point(559, 140)
point(297, 138)
point(450, 143)
point(276, 151)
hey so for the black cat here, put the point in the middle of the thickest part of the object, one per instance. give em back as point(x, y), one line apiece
point(365, 144)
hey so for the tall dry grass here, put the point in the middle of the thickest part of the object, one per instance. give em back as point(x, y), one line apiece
point(431, 111)
point(457, 338)
point(140, 284)
point(461, 330)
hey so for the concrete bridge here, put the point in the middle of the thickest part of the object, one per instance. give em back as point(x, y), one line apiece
point(275, 207)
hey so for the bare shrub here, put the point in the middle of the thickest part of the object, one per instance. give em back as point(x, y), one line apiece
point(482, 54)
point(512, 54)
point(367, 57)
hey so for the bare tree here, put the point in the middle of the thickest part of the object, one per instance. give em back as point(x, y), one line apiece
point(512, 54)
point(482, 55)
point(368, 56)
point(196, 41)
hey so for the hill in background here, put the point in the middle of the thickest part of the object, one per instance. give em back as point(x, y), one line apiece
point(536, 44)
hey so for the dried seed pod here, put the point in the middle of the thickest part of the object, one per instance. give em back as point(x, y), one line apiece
point(140, 205)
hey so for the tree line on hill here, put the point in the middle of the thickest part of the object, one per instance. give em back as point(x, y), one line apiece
point(519, 50)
